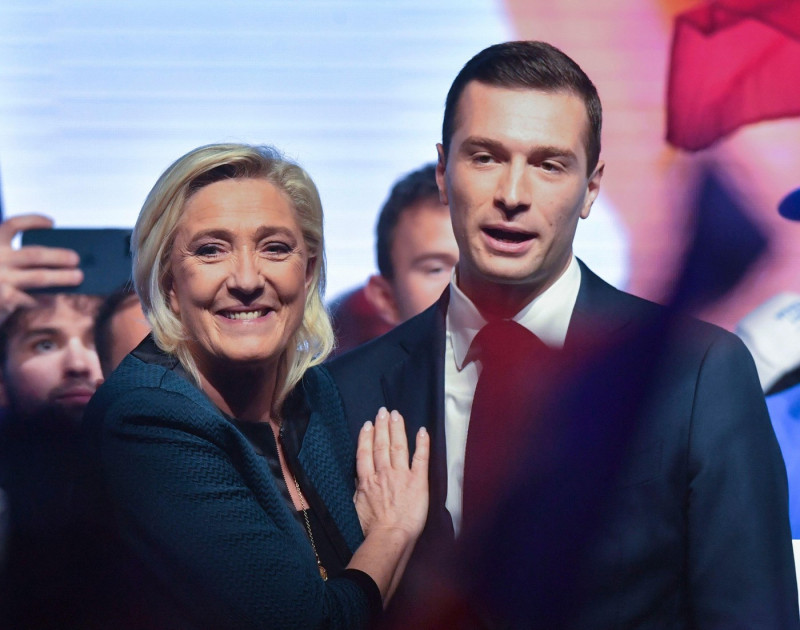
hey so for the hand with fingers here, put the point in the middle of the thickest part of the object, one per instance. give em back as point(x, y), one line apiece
point(33, 266)
point(391, 498)
point(391, 493)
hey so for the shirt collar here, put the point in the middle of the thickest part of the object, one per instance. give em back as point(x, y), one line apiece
point(547, 316)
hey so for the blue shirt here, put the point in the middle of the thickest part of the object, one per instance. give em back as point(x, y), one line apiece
point(784, 410)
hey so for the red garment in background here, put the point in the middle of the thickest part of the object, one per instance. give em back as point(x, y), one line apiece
point(355, 320)
point(733, 62)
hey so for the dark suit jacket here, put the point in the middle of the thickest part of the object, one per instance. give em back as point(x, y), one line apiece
point(211, 541)
point(649, 492)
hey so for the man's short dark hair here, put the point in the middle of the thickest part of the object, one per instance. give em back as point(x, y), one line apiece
point(411, 189)
point(530, 65)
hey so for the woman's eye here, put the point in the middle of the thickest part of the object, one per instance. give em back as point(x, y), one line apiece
point(277, 248)
point(208, 249)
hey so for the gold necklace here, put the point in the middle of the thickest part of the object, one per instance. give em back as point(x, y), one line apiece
point(304, 507)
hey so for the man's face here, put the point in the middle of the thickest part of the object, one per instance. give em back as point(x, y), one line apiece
point(127, 328)
point(424, 252)
point(515, 179)
point(51, 368)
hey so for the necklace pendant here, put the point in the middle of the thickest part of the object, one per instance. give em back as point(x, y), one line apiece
point(323, 573)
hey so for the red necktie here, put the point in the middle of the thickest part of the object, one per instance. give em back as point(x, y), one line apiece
point(511, 358)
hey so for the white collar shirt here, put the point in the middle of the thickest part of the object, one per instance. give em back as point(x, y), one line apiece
point(547, 316)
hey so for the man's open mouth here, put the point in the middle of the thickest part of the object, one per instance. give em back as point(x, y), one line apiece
point(508, 236)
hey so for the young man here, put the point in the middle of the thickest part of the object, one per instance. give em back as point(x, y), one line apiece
point(635, 481)
point(50, 368)
point(120, 327)
point(48, 371)
point(415, 247)
point(415, 251)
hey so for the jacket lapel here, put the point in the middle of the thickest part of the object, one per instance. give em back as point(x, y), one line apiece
point(325, 476)
point(415, 387)
point(318, 449)
point(598, 314)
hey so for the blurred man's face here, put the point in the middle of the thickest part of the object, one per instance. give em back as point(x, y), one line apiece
point(51, 368)
point(424, 252)
point(128, 327)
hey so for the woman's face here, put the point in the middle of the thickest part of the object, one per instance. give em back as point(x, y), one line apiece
point(240, 272)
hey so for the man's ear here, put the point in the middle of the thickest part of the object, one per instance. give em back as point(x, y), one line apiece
point(592, 189)
point(380, 294)
point(441, 165)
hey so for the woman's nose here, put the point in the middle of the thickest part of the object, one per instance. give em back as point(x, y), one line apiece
point(246, 277)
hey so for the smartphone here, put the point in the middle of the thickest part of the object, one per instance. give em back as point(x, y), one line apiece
point(105, 256)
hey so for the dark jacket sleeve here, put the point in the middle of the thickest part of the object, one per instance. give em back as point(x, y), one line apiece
point(207, 523)
point(740, 568)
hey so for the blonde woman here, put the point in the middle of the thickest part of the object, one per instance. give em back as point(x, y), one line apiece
point(225, 461)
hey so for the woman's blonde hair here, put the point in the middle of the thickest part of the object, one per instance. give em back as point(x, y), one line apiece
point(154, 235)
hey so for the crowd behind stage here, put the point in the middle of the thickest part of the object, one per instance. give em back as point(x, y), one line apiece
point(184, 451)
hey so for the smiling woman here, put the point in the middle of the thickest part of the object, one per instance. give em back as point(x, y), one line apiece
point(240, 272)
point(224, 459)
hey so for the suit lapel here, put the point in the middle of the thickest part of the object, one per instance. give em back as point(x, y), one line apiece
point(598, 313)
point(415, 386)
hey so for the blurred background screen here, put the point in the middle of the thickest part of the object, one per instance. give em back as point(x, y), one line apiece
point(97, 98)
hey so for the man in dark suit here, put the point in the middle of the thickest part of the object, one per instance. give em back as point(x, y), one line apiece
point(629, 476)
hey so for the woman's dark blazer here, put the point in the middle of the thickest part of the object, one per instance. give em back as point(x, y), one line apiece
point(205, 529)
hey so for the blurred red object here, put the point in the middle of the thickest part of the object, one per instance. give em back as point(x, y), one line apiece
point(733, 62)
point(355, 320)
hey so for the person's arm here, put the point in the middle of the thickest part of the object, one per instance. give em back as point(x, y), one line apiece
point(740, 565)
point(391, 499)
point(31, 267)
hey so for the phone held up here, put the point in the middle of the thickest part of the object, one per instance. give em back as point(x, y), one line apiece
point(105, 255)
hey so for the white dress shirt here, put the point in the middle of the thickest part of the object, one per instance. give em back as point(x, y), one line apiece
point(547, 317)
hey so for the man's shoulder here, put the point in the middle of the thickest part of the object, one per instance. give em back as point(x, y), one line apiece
point(602, 301)
point(681, 324)
point(420, 333)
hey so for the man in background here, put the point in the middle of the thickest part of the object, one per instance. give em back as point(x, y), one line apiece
point(415, 248)
point(120, 327)
point(49, 366)
point(416, 252)
point(49, 370)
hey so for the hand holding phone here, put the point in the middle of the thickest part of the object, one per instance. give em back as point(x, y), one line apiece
point(104, 256)
point(33, 267)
